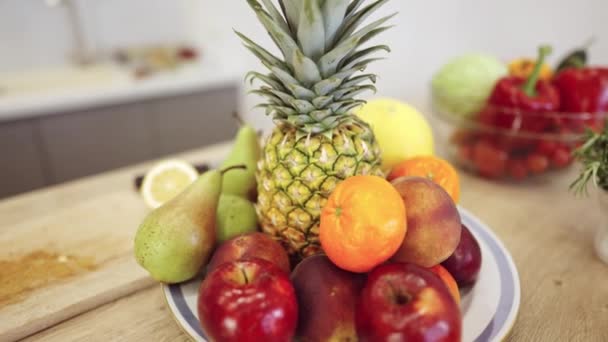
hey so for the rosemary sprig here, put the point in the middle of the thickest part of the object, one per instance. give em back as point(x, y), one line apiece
point(593, 154)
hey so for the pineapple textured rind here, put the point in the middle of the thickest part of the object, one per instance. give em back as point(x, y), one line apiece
point(297, 175)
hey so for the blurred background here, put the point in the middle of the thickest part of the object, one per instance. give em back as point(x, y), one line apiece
point(88, 86)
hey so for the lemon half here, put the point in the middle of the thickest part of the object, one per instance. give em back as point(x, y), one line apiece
point(165, 180)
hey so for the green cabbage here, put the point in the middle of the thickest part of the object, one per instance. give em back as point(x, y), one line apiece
point(463, 86)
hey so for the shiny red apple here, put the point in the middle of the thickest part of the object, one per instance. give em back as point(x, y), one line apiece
point(248, 300)
point(464, 264)
point(405, 302)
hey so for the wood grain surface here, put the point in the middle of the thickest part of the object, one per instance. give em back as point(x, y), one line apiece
point(68, 249)
point(547, 230)
point(85, 257)
point(146, 311)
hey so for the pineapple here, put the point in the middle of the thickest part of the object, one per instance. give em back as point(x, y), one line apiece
point(310, 93)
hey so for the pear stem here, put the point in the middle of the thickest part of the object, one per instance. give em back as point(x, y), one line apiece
point(235, 167)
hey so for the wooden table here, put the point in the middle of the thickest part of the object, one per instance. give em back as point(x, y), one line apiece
point(548, 231)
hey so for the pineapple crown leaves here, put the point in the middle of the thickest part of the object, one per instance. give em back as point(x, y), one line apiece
point(321, 46)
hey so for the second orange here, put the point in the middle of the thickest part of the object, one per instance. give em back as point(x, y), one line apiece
point(435, 169)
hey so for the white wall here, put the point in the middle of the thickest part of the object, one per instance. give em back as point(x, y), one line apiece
point(428, 32)
point(33, 34)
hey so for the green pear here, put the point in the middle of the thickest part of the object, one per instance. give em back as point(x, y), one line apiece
point(176, 240)
point(235, 216)
point(245, 151)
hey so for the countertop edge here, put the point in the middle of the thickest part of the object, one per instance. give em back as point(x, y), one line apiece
point(203, 78)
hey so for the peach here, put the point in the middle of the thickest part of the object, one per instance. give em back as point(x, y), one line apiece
point(433, 222)
point(448, 280)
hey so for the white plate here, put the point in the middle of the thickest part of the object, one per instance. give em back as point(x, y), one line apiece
point(489, 308)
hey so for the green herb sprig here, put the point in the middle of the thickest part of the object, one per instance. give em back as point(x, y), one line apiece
point(593, 154)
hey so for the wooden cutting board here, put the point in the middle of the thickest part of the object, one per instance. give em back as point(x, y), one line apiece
point(69, 249)
point(67, 262)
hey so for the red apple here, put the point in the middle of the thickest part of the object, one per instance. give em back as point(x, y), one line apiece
point(465, 263)
point(251, 245)
point(327, 298)
point(405, 302)
point(248, 300)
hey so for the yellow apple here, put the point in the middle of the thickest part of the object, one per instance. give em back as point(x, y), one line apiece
point(402, 132)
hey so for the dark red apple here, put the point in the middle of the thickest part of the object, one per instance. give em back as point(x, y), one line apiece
point(405, 302)
point(251, 245)
point(464, 264)
point(327, 298)
point(248, 300)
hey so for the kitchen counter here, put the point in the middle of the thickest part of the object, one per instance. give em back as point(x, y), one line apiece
point(546, 229)
point(107, 85)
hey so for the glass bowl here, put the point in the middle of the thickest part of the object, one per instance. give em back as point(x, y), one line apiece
point(513, 144)
point(601, 237)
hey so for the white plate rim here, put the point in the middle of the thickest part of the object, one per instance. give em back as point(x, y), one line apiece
point(510, 294)
point(497, 329)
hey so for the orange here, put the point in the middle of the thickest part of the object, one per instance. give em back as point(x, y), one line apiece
point(433, 168)
point(448, 280)
point(363, 223)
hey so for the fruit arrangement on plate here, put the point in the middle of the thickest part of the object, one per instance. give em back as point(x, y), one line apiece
point(517, 120)
point(393, 246)
point(314, 236)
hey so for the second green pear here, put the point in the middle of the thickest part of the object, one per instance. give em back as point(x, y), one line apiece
point(245, 151)
point(235, 216)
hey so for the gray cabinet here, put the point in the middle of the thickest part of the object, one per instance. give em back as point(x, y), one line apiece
point(65, 146)
point(84, 143)
point(193, 120)
point(21, 163)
